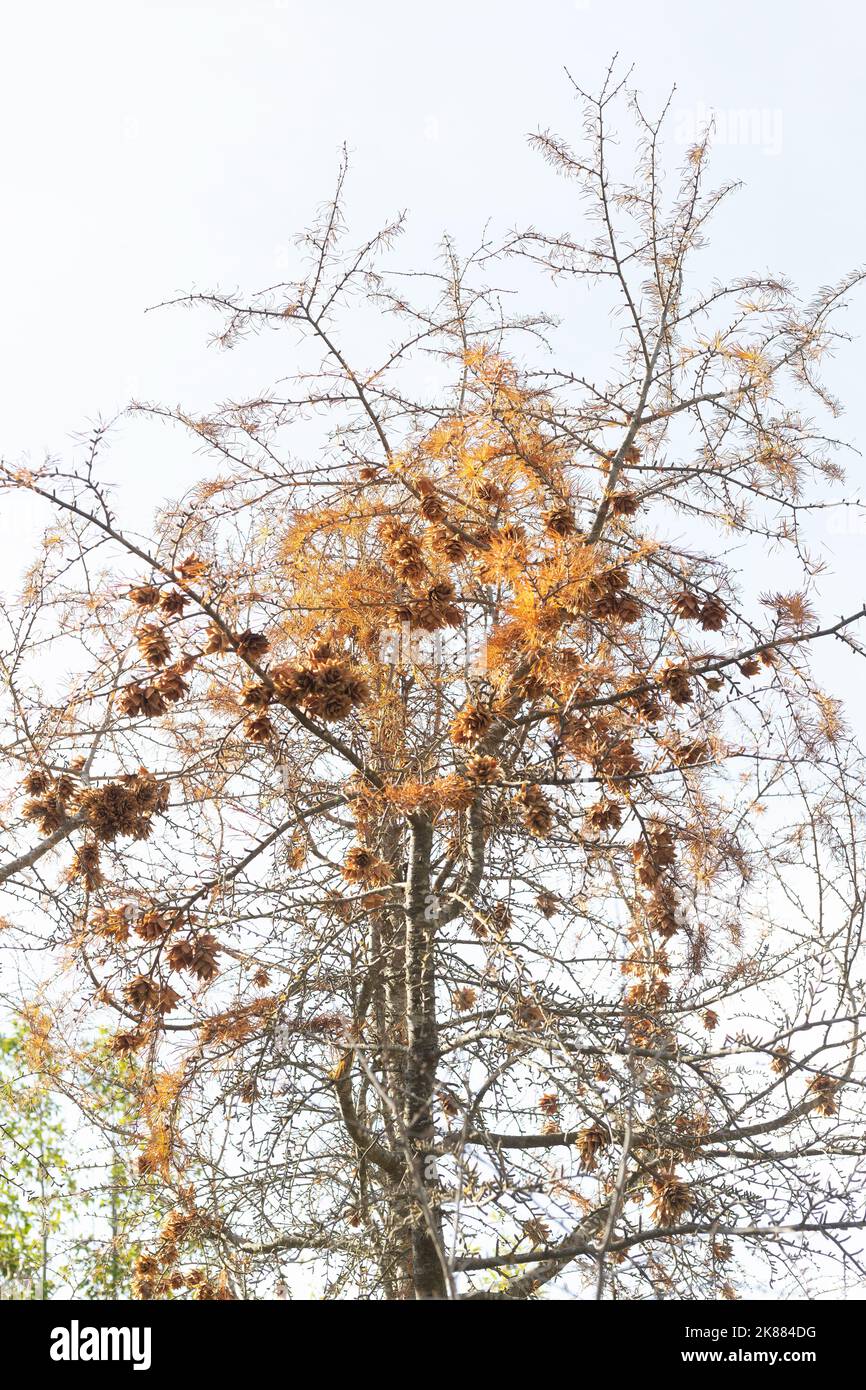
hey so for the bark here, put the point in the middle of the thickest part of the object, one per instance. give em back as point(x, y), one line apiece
point(427, 1271)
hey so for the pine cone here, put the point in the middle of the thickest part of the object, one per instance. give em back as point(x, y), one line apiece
point(449, 546)
point(463, 999)
point(363, 866)
point(204, 963)
point(144, 596)
point(471, 724)
point(482, 770)
point(559, 521)
point(147, 700)
point(255, 696)
point(259, 730)
point(686, 605)
point(192, 568)
point(671, 1198)
point(712, 615)
point(141, 993)
point(677, 686)
point(251, 645)
point(218, 641)
point(174, 602)
point(605, 815)
point(172, 686)
point(590, 1143)
point(153, 645)
point(181, 955)
point(151, 925)
point(825, 1090)
point(36, 782)
point(86, 866)
point(537, 815)
point(624, 503)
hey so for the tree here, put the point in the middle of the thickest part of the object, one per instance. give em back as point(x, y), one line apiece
point(34, 1192)
point(70, 1222)
point(463, 843)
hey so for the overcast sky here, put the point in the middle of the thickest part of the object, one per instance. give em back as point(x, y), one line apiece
point(151, 146)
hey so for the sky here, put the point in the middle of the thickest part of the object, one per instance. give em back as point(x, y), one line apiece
point(150, 147)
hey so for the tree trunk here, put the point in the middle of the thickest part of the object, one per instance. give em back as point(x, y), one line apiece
point(427, 1271)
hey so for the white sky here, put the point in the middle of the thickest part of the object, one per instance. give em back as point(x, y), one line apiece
point(151, 146)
